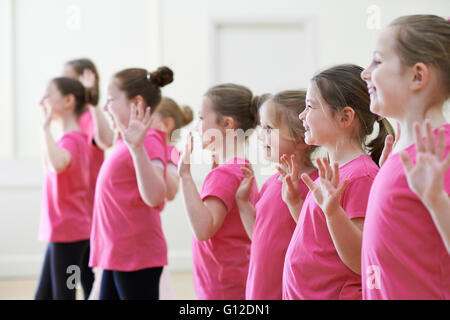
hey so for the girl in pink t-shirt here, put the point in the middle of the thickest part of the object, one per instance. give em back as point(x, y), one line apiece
point(405, 249)
point(324, 255)
point(127, 240)
point(220, 247)
point(65, 217)
point(269, 224)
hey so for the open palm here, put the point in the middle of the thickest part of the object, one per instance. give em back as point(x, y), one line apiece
point(290, 190)
point(134, 134)
point(184, 166)
point(327, 192)
point(244, 191)
point(426, 177)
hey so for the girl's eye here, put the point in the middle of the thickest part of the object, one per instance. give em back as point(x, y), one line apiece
point(376, 61)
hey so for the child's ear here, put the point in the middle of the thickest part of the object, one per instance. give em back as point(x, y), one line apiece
point(420, 76)
point(139, 100)
point(347, 115)
point(228, 123)
point(69, 101)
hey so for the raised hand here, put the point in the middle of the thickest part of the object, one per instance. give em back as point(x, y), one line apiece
point(47, 115)
point(290, 191)
point(328, 192)
point(184, 166)
point(426, 177)
point(134, 134)
point(245, 188)
point(88, 78)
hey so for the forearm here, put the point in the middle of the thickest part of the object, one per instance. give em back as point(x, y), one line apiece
point(150, 179)
point(439, 208)
point(103, 134)
point(172, 185)
point(347, 239)
point(294, 209)
point(200, 219)
point(247, 213)
point(56, 158)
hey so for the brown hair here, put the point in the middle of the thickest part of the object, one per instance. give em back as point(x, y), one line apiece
point(79, 65)
point(238, 102)
point(182, 116)
point(69, 86)
point(287, 106)
point(426, 39)
point(342, 86)
point(139, 82)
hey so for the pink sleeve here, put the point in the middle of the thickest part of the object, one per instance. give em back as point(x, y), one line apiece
point(221, 184)
point(69, 144)
point(156, 147)
point(355, 197)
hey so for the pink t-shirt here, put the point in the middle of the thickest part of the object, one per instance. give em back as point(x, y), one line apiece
point(65, 215)
point(313, 269)
point(96, 154)
point(173, 155)
point(272, 233)
point(126, 233)
point(403, 255)
point(220, 264)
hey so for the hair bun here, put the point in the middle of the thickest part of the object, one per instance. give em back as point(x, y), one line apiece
point(162, 77)
point(188, 115)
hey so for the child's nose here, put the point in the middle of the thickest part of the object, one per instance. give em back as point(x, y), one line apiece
point(365, 74)
point(301, 116)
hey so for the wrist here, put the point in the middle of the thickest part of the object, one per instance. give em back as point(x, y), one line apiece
point(436, 199)
point(136, 150)
point(333, 213)
point(186, 176)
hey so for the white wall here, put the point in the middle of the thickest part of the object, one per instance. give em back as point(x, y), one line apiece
point(38, 36)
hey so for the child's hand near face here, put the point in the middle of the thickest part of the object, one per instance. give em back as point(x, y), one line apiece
point(134, 134)
point(184, 166)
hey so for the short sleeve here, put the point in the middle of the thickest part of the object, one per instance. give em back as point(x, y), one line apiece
point(70, 144)
point(222, 184)
point(173, 155)
point(155, 145)
point(355, 197)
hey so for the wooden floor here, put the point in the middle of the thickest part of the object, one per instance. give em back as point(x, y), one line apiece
point(24, 289)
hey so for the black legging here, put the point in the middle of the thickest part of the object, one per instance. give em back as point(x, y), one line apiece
point(56, 272)
point(133, 285)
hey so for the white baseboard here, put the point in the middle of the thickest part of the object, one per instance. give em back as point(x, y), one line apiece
point(29, 266)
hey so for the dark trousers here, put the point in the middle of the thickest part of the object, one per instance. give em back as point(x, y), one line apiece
point(64, 265)
point(133, 285)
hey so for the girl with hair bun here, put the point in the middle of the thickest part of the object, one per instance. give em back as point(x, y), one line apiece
point(127, 240)
point(220, 246)
point(269, 223)
point(65, 213)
